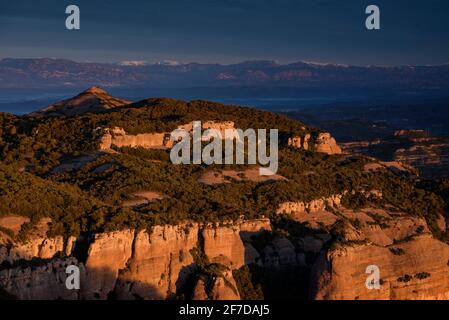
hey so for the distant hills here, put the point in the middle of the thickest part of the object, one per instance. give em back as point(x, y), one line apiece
point(377, 121)
point(61, 73)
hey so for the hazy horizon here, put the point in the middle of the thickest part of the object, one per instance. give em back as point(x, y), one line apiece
point(174, 62)
point(226, 32)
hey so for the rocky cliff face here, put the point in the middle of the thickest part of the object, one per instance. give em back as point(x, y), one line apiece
point(310, 207)
point(314, 213)
point(36, 246)
point(129, 264)
point(232, 242)
point(217, 288)
point(109, 253)
point(416, 269)
point(119, 138)
point(43, 281)
point(412, 263)
point(430, 157)
point(160, 263)
point(324, 143)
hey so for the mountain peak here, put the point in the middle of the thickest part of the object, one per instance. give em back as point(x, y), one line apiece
point(95, 90)
point(94, 99)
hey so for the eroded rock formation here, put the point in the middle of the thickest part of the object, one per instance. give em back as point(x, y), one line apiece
point(416, 269)
point(36, 246)
point(159, 263)
point(152, 264)
point(45, 281)
point(118, 137)
point(231, 241)
point(108, 254)
point(324, 143)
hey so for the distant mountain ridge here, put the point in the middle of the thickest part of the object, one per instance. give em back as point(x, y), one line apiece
point(50, 73)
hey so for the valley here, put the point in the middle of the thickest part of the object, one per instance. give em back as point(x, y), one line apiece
point(412, 134)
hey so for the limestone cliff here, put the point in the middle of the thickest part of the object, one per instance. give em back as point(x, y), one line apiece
point(127, 264)
point(108, 254)
point(45, 281)
point(159, 263)
point(412, 263)
point(218, 288)
point(323, 143)
point(119, 138)
point(36, 246)
point(416, 269)
point(232, 241)
point(224, 288)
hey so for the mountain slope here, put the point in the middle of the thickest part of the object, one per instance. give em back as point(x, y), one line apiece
point(93, 99)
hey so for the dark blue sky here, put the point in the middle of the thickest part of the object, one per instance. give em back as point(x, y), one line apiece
point(227, 31)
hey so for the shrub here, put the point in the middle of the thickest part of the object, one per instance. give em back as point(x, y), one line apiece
point(247, 289)
point(422, 275)
point(405, 278)
point(397, 251)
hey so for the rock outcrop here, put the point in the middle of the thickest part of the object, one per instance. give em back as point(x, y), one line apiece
point(13, 223)
point(232, 241)
point(224, 288)
point(416, 269)
point(295, 142)
point(325, 143)
point(306, 141)
point(46, 281)
point(152, 264)
point(221, 287)
point(199, 292)
point(315, 212)
point(38, 245)
point(413, 151)
point(310, 207)
point(154, 140)
point(159, 263)
point(119, 138)
point(206, 125)
point(108, 254)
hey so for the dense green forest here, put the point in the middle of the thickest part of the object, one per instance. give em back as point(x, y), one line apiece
point(89, 198)
point(42, 141)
